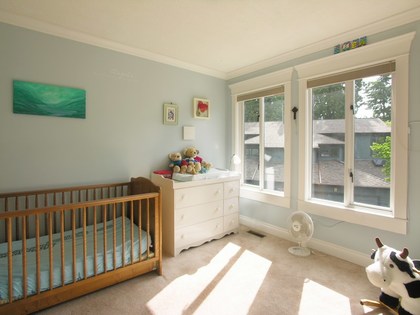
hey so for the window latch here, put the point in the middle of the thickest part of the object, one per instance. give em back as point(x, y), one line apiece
point(351, 176)
point(294, 110)
point(352, 108)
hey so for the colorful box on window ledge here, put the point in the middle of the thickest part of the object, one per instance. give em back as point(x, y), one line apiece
point(355, 43)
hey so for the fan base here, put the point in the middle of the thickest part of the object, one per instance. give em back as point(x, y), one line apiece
point(299, 251)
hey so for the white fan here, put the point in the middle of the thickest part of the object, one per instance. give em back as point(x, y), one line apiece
point(301, 228)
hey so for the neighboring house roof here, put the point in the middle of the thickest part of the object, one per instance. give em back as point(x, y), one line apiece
point(331, 172)
point(274, 131)
point(322, 139)
point(362, 125)
point(327, 172)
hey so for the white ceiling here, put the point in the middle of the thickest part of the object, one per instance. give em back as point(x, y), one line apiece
point(222, 38)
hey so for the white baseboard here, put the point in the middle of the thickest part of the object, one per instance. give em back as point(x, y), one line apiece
point(332, 249)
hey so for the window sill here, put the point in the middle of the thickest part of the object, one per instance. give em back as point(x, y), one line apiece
point(360, 216)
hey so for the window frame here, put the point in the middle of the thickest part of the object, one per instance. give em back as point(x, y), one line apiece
point(264, 82)
point(394, 49)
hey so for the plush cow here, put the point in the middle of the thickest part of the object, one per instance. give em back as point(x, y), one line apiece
point(398, 276)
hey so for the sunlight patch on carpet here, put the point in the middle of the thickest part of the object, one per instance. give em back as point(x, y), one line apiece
point(235, 293)
point(318, 299)
point(183, 291)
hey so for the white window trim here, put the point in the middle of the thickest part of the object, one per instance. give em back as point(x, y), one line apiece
point(397, 49)
point(282, 77)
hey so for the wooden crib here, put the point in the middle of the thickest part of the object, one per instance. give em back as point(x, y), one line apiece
point(59, 244)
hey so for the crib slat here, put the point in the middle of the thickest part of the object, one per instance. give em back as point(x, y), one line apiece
point(114, 256)
point(148, 227)
point(24, 260)
point(50, 239)
point(123, 233)
point(132, 230)
point(105, 243)
point(6, 209)
point(95, 240)
point(9, 258)
point(63, 276)
point(139, 229)
point(16, 220)
point(45, 215)
point(38, 258)
point(73, 219)
point(84, 244)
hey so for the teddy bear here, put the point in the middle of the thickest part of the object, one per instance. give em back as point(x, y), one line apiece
point(195, 163)
point(398, 276)
point(190, 160)
point(176, 162)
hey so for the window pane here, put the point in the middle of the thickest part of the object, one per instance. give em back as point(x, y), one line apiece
point(372, 146)
point(251, 142)
point(274, 143)
point(328, 138)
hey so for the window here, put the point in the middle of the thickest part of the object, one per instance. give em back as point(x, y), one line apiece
point(353, 135)
point(262, 136)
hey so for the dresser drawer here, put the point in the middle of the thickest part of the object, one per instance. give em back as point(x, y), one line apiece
point(231, 222)
point(231, 189)
point(199, 213)
point(187, 197)
point(231, 205)
point(195, 233)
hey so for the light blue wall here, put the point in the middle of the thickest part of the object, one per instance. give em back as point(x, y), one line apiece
point(352, 236)
point(123, 134)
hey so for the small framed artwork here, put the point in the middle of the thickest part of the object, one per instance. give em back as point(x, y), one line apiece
point(170, 114)
point(201, 108)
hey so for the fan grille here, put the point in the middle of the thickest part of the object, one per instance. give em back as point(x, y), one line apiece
point(301, 228)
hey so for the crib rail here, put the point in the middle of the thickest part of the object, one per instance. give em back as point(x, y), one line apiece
point(52, 197)
point(71, 225)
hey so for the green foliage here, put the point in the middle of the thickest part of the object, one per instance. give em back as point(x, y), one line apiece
point(382, 150)
point(328, 102)
point(273, 109)
point(378, 95)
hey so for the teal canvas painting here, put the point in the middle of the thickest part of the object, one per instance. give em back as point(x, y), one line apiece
point(49, 100)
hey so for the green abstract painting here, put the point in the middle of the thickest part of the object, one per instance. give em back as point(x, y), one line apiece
point(49, 100)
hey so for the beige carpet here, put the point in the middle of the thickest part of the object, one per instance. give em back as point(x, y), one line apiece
point(239, 274)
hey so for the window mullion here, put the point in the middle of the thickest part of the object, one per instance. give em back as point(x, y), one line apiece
point(349, 173)
point(261, 121)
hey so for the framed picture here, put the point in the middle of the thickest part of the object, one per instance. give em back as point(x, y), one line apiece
point(49, 100)
point(201, 108)
point(170, 114)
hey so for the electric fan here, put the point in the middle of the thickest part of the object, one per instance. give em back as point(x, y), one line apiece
point(301, 228)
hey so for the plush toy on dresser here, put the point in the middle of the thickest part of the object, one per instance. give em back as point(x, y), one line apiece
point(398, 276)
point(190, 159)
point(197, 163)
point(176, 161)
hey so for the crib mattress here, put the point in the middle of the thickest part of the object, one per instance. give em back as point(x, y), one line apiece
point(68, 253)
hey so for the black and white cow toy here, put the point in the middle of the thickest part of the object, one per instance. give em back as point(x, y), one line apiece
point(398, 276)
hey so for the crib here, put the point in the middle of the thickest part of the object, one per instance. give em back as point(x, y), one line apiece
point(59, 244)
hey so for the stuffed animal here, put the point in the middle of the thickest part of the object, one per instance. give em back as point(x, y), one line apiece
point(398, 276)
point(196, 163)
point(193, 165)
point(176, 161)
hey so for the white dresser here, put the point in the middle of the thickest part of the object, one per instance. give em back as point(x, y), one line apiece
point(197, 211)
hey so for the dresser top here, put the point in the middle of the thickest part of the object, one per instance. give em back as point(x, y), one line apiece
point(188, 180)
